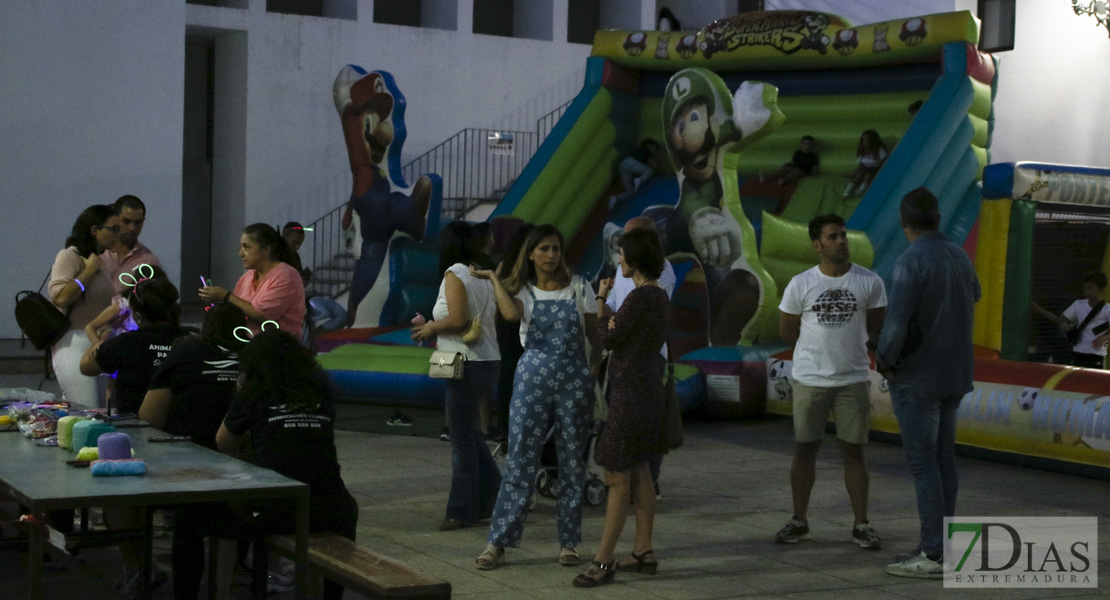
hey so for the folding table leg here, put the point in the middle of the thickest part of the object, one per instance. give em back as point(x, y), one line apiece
point(34, 561)
point(148, 553)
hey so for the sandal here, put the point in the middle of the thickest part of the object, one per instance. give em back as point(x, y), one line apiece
point(590, 578)
point(640, 566)
point(568, 557)
point(491, 558)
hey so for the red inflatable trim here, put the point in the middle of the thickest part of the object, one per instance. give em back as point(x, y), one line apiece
point(620, 79)
point(972, 241)
point(980, 66)
point(1035, 375)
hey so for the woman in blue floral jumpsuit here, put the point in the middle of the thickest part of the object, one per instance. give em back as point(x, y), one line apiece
point(553, 385)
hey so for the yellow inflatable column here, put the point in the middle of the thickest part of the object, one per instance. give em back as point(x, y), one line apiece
point(990, 263)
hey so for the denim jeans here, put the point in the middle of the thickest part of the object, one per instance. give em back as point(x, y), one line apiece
point(928, 426)
point(324, 307)
point(475, 477)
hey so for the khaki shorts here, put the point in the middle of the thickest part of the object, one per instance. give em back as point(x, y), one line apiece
point(850, 405)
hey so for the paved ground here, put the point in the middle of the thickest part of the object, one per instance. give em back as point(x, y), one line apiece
point(724, 495)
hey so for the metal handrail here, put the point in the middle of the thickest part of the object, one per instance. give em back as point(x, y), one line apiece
point(476, 165)
point(546, 123)
point(328, 255)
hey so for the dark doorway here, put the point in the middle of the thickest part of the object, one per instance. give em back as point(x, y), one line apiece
point(196, 180)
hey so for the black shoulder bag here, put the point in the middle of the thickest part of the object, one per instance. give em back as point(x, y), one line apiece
point(1076, 332)
point(39, 319)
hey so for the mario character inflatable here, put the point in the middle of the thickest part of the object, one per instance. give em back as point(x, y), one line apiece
point(371, 109)
point(706, 127)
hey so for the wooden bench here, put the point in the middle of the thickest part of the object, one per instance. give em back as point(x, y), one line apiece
point(360, 569)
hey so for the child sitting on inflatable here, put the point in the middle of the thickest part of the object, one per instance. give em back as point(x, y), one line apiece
point(870, 154)
point(804, 163)
point(635, 169)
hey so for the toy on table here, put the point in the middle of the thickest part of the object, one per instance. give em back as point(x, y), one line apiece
point(65, 430)
point(86, 433)
point(114, 451)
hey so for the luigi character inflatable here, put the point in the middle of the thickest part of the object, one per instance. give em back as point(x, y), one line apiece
point(706, 127)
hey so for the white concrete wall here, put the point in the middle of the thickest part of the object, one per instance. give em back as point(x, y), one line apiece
point(862, 12)
point(94, 96)
point(622, 14)
point(451, 80)
point(92, 111)
point(1054, 89)
point(695, 14)
point(533, 19)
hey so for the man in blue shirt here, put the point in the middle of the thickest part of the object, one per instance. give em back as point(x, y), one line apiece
point(925, 352)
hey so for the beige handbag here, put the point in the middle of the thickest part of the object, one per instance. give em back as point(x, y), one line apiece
point(445, 365)
point(474, 332)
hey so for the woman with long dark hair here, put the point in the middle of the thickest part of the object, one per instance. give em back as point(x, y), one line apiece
point(80, 287)
point(286, 402)
point(554, 385)
point(467, 293)
point(271, 289)
point(135, 355)
point(189, 395)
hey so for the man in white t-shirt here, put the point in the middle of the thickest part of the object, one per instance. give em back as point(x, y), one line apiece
point(831, 313)
point(611, 294)
point(1089, 349)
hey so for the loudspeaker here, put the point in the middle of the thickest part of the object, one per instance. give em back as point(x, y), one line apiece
point(997, 33)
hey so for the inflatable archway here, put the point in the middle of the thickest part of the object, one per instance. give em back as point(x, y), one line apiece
point(1013, 194)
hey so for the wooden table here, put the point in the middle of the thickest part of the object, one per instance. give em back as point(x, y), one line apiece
point(177, 473)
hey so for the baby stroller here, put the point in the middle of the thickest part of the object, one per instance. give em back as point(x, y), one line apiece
point(547, 476)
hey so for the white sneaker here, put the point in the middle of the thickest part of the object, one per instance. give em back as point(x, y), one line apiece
point(919, 566)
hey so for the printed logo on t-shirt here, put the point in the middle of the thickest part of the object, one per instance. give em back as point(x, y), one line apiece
point(160, 351)
point(835, 307)
point(291, 416)
point(224, 371)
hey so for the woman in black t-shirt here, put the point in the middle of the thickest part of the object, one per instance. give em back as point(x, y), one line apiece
point(286, 402)
point(189, 395)
point(135, 355)
point(191, 391)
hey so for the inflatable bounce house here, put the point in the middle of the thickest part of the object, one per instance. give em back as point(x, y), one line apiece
point(729, 103)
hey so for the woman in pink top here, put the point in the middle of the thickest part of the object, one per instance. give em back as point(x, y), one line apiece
point(271, 289)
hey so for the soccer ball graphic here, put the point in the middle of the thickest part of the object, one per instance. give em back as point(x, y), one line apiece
point(776, 370)
point(1027, 398)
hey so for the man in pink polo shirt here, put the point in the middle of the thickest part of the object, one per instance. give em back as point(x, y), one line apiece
point(128, 252)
